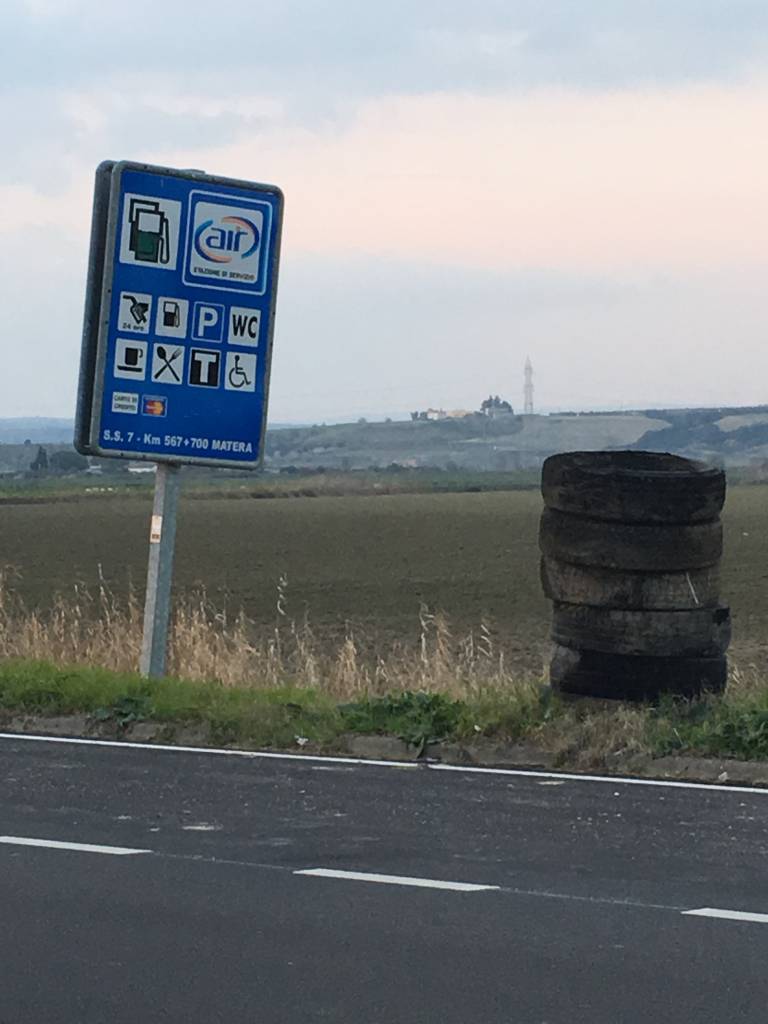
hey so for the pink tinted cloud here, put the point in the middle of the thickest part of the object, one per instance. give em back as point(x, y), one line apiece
point(667, 179)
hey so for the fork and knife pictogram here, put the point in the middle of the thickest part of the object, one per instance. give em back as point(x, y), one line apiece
point(168, 360)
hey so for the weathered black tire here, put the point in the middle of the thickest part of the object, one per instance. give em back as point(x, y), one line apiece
point(694, 633)
point(612, 588)
point(630, 546)
point(633, 487)
point(621, 677)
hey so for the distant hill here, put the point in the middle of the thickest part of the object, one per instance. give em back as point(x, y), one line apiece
point(49, 430)
point(475, 441)
point(734, 437)
point(731, 436)
point(37, 430)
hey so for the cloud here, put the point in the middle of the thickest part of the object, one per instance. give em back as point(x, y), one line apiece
point(553, 179)
point(364, 335)
point(465, 184)
point(359, 334)
point(313, 65)
point(43, 276)
point(347, 46)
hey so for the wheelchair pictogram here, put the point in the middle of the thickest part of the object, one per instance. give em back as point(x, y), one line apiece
point(240, 371)
point(237, 376)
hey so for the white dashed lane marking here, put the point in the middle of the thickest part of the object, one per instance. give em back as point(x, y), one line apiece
point(381, 879)
point(55, 844)
point(422, 883)
point(727, 915)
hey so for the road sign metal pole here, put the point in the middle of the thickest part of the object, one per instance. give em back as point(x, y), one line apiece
point(162, 538)
point(177, 338)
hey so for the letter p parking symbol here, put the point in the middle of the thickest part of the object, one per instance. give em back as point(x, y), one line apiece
point(208, 322)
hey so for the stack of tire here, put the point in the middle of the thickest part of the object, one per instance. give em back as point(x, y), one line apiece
point(631, 545)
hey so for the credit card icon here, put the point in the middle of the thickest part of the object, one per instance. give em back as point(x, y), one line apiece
point(153, 406)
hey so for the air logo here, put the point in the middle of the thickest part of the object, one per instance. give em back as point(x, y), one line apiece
point(225, 242)
point(244, 326)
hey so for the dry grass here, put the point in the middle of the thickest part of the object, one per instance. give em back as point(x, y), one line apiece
point(261, 672)
point(745, 682)
point(98, 629)
point(601, 738)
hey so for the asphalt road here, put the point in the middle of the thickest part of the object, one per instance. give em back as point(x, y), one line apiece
point(574, 903)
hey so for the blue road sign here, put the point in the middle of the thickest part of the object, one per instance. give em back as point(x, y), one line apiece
point(179, 317)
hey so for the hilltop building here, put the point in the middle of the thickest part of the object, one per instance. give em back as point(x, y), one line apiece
point(440, 414)
point(494, 406)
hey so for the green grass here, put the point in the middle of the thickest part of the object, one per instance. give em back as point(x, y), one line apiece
point(717, 727)
point(201, 483)
point(270, 717)
point(238, 716)
point(579, 735)
point(51, 489)
point(421, 718)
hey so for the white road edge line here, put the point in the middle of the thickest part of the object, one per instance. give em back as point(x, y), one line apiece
point(727, 915)
point(219, 751)
point(422, 883)
point(613, 780)
point(55, 844)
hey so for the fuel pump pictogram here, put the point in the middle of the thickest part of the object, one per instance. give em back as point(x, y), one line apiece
point(149, 239)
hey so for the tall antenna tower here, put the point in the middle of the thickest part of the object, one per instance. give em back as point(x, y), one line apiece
point(528, 390)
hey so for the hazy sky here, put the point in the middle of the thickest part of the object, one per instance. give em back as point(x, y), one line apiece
point(583, 181)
